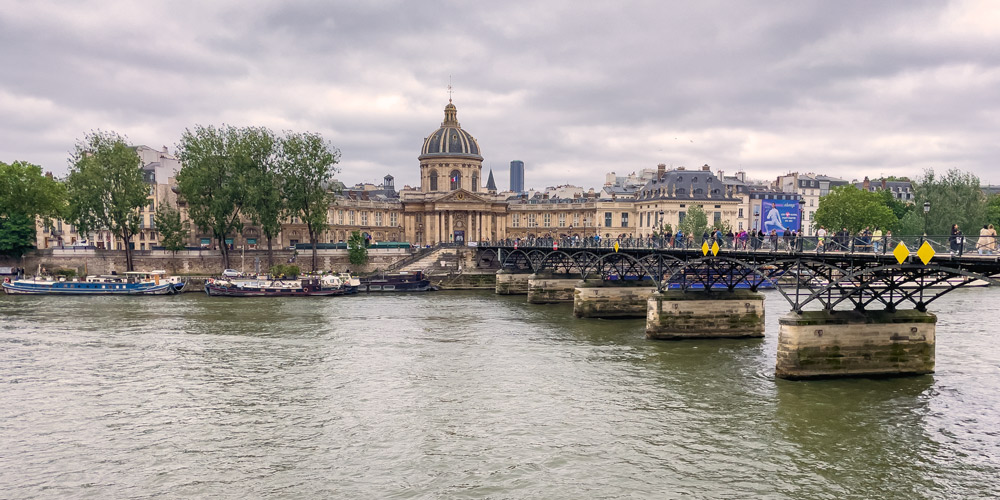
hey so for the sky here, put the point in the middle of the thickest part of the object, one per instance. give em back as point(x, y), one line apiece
point(575, 89)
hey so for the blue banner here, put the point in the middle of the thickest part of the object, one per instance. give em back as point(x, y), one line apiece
point(780, 215)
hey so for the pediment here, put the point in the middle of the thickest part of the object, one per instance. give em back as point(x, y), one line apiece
point(462, 196)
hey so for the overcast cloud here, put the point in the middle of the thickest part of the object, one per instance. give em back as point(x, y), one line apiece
point(574, 89)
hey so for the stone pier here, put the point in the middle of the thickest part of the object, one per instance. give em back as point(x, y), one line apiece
point(699, 314)
point(612, 299)
point(549, 288)
point(824, 344)
point(509, 283)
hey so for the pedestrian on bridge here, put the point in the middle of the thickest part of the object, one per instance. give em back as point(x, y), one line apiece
point(955, 240)
point(986, 238)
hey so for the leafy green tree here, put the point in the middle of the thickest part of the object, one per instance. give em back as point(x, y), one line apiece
point(307, 169)
point(695, 222)
point(955, 198)
point(266, 201)
point(899, 208)
point(993, 210)
point(173, 230)
point(850, 207)
point(17, 234)
point(25, 194)
point(106, 188)
point(357, 251)
point(218, 169)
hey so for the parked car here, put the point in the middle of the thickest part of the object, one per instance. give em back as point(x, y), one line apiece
point(231, 273)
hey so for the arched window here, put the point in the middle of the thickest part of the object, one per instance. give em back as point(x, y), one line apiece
point(433, 174)
point(475, 182)
point(699, 191)
point(456, 179)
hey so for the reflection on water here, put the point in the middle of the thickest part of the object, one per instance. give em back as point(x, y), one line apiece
point(466, 395)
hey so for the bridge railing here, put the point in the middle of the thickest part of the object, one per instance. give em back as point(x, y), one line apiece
point(959, 245)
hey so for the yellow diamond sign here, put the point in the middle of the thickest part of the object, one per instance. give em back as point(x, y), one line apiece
point(616, 246)
point(715, 248)
point(704, 248)
point(901, 252)
point(926, 253)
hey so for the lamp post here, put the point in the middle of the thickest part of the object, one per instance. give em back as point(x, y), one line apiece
point(927, 209)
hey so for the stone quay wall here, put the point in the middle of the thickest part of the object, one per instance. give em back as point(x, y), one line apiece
point(674, 315)
point(822, 344)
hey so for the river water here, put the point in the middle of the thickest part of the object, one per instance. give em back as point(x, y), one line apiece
point(467, 395)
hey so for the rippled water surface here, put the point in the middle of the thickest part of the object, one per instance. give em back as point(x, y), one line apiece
point(467, 395)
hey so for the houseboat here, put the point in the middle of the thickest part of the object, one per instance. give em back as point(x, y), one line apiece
point(298, 287)
point(92, 285)
point(414, 281)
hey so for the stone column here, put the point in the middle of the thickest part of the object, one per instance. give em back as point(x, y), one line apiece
point(597, 298)
point(700, 314)
point(825, 344)
point(451, 228)
point(510, 283)
point(549, 288)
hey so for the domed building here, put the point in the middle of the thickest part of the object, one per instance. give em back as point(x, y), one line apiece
point(450, 158)
point(451, 205)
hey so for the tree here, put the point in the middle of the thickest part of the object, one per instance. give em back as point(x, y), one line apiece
point(850, 207)
point(993, 210)
point(955, 198)
point(25, 194)
point(266, 202)
point(106, 188)
point(215, 179)
point(357, 251)
point(695, 222)
point(307, 170)
point(173, 230)
point(899, 208)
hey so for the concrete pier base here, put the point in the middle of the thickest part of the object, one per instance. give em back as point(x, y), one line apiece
point(509, 283)
point(551, 288)
point(674, 315)
point(612, 299)
point(824, 344)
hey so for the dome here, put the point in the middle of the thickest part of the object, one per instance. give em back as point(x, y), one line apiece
point(450, 140)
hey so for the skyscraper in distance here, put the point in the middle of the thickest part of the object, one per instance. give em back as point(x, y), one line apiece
point(517, 176)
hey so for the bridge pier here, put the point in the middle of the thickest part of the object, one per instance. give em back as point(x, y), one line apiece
point(675, 314)
point(550, 288)
point(825, 344)
point(509, 283)
point(598, 298)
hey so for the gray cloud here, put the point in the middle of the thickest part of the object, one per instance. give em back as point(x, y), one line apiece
point(574, 89)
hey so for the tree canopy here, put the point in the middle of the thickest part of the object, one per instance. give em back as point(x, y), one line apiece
point(173, 230)
point(219, 167)
point(307, 169)
point(853, 208)
point(25, 194)
point(695, 222)
point(357, 252)
point(955, 198)
point(106, 188)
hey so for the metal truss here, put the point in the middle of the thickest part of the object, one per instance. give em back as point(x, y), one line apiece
point(832, 280)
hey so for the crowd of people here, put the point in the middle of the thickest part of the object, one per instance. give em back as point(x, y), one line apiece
point(869, 239)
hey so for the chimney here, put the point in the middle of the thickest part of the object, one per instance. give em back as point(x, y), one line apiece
point(706, 168)
point(865, 184)
point(660, 170)
point(680, 167)
point(883, 184)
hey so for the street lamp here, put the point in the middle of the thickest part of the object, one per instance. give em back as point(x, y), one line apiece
point(927, 209)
